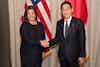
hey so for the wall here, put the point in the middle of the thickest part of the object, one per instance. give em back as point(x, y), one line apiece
point(4, 34)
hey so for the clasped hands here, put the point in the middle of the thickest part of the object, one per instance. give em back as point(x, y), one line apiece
point(44, 43)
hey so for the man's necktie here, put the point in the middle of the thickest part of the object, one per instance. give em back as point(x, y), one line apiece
point(66, 29)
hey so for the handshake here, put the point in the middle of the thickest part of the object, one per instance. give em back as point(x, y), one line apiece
point(44, 43)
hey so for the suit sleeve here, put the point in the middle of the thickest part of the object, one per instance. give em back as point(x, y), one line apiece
point(82, 39)
point(24, 32)
point(57, 37)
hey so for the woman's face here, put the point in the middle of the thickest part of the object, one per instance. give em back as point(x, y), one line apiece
point(31, 15)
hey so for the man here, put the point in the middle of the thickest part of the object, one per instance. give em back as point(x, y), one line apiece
point(70, 35)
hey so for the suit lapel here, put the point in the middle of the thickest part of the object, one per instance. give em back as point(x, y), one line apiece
point(70, 28)
point(62, 27)
point(71, 24)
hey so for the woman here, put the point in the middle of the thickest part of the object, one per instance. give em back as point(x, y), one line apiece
point(32, 33)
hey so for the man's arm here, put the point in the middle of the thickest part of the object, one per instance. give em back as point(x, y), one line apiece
point(82, 39)
point(57, 39)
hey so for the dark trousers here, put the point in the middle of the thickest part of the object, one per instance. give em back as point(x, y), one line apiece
point(31, 65)
point(65, 63)
point(27, 61)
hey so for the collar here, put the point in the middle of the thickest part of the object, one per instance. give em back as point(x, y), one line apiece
point(68, 19)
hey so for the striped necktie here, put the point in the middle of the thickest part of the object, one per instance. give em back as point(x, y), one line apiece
point(66, 29)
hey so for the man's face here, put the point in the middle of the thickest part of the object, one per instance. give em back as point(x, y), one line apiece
point(66, 10)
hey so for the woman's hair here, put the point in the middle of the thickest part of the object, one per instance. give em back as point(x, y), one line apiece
point(26, 10)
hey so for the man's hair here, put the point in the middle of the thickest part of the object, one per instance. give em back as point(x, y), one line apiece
point(66, 2)
point(26, 10)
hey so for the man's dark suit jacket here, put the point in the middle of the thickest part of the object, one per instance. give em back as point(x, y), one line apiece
point(73, 45)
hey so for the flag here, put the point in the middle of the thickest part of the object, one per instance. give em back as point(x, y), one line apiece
point(80, 9)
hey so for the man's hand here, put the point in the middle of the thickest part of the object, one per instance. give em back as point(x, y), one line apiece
point(44, 43)
point(81, 60)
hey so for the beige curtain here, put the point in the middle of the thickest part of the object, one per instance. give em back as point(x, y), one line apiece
point(92, 33)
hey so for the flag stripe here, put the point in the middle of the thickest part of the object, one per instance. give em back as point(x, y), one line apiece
point(45, 5)
point(45, 16)
point(43, 22)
